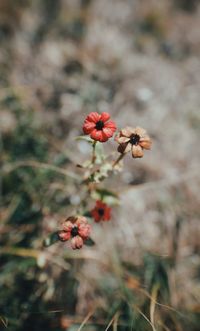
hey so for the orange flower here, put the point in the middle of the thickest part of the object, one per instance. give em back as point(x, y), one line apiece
point(133, 140)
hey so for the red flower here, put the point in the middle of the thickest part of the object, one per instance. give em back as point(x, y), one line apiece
point(75, 228)
point(101, 212)
point(98, 126)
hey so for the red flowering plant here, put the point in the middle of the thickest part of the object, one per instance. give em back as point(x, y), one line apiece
point(100, 128)
point(75, 228)
point(101, 212)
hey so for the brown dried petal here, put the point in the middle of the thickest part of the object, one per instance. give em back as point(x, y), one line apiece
point(127, 132)
point(121, 148)
point(145, 143)
point(140, 131)
point(137, 151)
point(124, 148)
point(122, 140)
point(128, 148)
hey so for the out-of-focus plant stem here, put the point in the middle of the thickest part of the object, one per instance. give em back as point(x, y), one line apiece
point(121, 156)
point(34, 164)
point(93, 152)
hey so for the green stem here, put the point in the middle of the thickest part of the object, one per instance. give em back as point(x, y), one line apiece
point(93, 152)
point(118, 160)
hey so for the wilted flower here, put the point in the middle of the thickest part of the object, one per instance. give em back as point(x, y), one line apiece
point(77, 229)
point(101, 212)
point(98, 126)
point(134, 140)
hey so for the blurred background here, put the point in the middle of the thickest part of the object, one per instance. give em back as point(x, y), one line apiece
point(140, 61)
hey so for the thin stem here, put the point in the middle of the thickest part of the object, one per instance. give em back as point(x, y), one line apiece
point(93, 152)
point(153, 303)
point(111, 322)
point(86, 319)
point(99, 168)
point(9, 167)
point(118, 160)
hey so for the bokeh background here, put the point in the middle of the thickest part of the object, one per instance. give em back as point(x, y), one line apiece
point(140, 61)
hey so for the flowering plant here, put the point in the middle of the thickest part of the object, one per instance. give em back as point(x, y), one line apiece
point(100, 128)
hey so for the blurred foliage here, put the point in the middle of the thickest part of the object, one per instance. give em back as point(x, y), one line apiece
point(188, 6)
point(25, 197)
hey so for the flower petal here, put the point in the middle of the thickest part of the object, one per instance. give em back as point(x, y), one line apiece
point(105, 117)
point(127, 131)
point(124, 148)
point(84, 231)
point(67, 226)
point(93, 117)
point(81, 220)
point(121, 148)
point(64, 236)
point(137, 151)
point(107, 214)
point(97, 135)
point(88, 127)
point(122, 139)
point(95, 215)
point(145, 142)
point(108, 132)
point(76, 242)
point(104, 137)
point(110, 125)
point(128, 148)
point(140, 131)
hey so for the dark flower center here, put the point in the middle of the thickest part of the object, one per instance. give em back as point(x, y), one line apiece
point(134, 140)
point(99, 125)
point(101, 211)
point(74, 231)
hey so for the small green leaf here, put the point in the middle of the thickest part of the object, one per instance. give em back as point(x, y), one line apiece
point(107, 196)
point(156, 274)
point(89, 242)
point(87, 214)
point(104, 192)
point(85, 138)
point(51, 239)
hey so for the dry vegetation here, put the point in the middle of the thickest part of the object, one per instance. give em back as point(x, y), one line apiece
point(138, 60)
